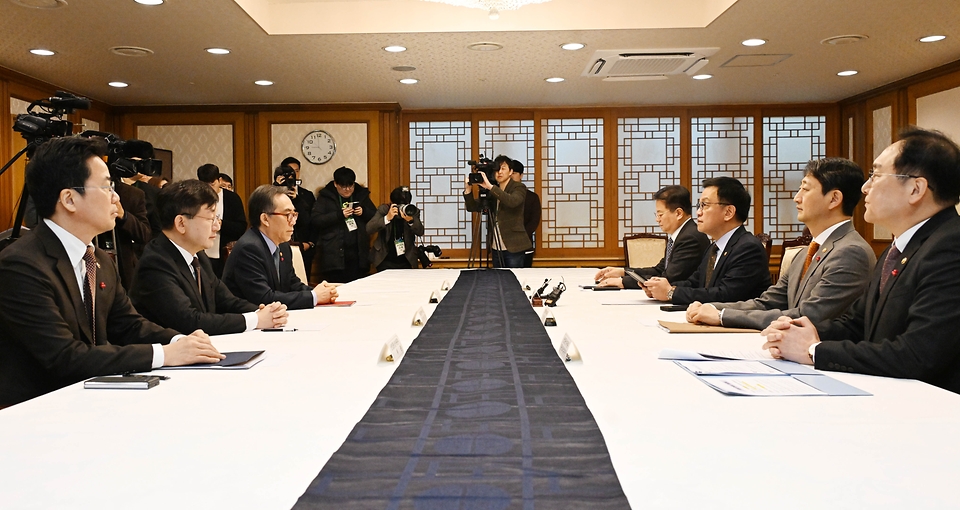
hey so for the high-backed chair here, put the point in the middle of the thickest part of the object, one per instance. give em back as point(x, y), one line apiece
point(643, 250)
point(791, 249)
point(767, 242)
point(298, 267)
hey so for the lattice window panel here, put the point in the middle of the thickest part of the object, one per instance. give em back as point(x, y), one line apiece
point(571, 182)
point(722, 146)
point(439, 152)
point(789, 143)
point(512, 138)
point(648, 158)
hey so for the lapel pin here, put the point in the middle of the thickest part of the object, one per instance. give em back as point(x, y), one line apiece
point(818, 258)
point(894, 272)
point(903, 261)
point(103, 285)
point(724, 254)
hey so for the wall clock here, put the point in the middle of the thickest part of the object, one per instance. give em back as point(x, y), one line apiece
point(318, 147)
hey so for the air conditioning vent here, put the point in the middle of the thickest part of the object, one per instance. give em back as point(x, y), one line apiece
point(646, 64)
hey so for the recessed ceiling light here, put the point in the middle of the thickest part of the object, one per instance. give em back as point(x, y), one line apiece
point(754, 42)
point(933, 38)
point(703, 77)
point(264, 83)
point(572, 46)
point(394, 49)
point(554, 80)
point(409, 81)
point(42, 52)
point(218, 51)
point(118, 84)
point(847, 73)
point(149, 2)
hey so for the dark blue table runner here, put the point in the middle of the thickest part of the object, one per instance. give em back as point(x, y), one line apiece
point(480, 414)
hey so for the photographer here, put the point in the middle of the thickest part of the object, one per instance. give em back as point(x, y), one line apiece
point(304, 233)
point(398, 224)
point(509, 240)
point(340, 217)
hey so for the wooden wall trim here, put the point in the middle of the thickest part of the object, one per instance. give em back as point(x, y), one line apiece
point(903, 83)
point(261, 108)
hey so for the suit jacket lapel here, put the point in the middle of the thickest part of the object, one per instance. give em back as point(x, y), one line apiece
point(67, 275)
point(722, 256)
point(267, 259)
point(187, 274)
point(821, 256)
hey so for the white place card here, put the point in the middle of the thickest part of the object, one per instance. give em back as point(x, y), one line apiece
point(568, 350)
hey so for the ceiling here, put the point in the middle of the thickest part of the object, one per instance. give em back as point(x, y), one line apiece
point(351, 66)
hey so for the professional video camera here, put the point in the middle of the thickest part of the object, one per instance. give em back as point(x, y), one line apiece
point(127, 158)
point(422, 256)
point(44, 118)
point(484, 165)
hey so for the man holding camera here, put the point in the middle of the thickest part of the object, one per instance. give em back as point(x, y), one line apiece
point(304, 232)
point(398, 224)
point(509, 240)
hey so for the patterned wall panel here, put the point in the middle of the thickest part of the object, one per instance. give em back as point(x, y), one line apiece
point(439, 152)
point(882, 137)
point(192, 146)
point(571, 182)
point(722, 146)
point(512, 138)
point(90, 125)
point(788, 144)
point(351, 140)
point(648, 158)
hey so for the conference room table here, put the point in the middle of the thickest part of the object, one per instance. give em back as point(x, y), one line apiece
point(256, 438)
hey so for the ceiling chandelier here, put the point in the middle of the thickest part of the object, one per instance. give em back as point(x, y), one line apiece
point(493, 7)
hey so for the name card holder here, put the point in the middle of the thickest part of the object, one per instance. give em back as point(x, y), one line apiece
point(568, 350)
point(435, 296)
point(419, 318)
point(391, 351)
point(548, 318)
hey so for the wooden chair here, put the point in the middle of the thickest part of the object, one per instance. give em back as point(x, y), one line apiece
point(643, 250)
point(767, 242)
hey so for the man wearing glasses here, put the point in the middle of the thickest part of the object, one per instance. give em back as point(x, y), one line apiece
point(175, 284)
point(734, 268)
point(904, 325)
point(340, 218)
point(64, 315)
point(260, 268)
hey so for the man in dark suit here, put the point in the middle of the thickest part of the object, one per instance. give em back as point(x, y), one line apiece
point(734, 268)
point(834, 269)
point(685, 245)
point(304, 233)
point(260, 268)
point(175, 285)
point(509, 237)
point(233, 221)
point(905, 325)
point(64, 315)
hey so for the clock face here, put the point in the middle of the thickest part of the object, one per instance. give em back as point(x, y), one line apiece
point(318, 147)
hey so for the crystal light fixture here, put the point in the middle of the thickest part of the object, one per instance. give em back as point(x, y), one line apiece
point(493, 7)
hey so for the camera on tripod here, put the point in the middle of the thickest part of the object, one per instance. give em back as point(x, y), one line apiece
point(44, 118)
point(483, 165)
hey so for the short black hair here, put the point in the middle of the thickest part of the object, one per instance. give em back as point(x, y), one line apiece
point(59, 164)
point(225, 177)
point(675, 197)
point(261, 201)
point(731, 191)
point(183, 197)
point(344, 176)
point(208, 173)
point(400, 195)
point(933, 156)
point(516, 166)
point(839, 174)
point(286, 161)
point(500, 160)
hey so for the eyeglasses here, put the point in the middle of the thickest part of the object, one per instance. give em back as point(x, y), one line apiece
point(876, 175)
point(291, 216)
point(214, 219)
point(707, 205)
point(111, 188)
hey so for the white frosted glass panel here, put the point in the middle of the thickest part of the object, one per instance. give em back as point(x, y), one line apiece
point(572, 153)
point(644, 211)
point(792, 178)
point(512, 150)
point(787, 212)
point(573, 183)
point(438, 216)
point(649, 182)
point(794, 150)
point(440, 155)
point(720, 151)
point(440, 185)
point(649, 151)
point(18, 106)
point(573, 214)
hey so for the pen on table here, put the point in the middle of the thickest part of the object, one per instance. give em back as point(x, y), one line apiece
point(161, 377)
point(275, 330)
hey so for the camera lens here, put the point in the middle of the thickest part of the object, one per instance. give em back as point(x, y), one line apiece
point(408, 209)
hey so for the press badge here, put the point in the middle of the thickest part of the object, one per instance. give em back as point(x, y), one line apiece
point(351, 224)
point(401, 246)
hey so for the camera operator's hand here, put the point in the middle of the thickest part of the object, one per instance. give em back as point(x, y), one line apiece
point(486, 182)
point(326, 293)
point(406, 218)
point(392, 213)
point(273, 315)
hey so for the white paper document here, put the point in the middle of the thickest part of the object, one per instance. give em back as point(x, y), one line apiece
point(714, 354)
point(760, 386)
point(728, 368)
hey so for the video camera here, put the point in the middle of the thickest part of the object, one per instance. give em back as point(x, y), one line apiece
point(422, 256)
point(121, 154)
point(484, 165)
point(44, 118)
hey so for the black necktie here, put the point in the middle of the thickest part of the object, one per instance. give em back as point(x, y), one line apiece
point(711, 262)
point(196, 273)
point(888, 264)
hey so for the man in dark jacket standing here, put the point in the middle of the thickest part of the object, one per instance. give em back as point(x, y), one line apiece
point(509, 237)
point(340, 217)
